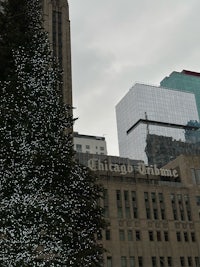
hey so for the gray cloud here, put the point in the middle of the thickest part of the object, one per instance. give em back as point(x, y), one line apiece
point(118, 42)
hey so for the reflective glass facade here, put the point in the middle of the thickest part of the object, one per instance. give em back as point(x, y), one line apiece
point(152, 110)
point(187, 81)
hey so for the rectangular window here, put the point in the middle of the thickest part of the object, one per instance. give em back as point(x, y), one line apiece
point(178, 236)
point(181, 209)
point(121, 235)
point(155, 214)
point(169, 261)
point(128, 213)
point(133, 196)
point(153, 260)
point(118, 195)
point(197, 261)
point(172, 198)
point(135, 213)
point(140, 262)
point(79, 148)
point(137, 235)
point(106, 212)
point(132, 261)
point(198, 176)
point(162, 211)
point(153, 197)
point(185, 236)
point(118, 198)
point(130, 235)
point(147, 206)
point(123, 261)
point(148, 213)
point(158, 233)
point(162, 206)
point(162, 262)
point(193, 237)
point(109, 261)
point(186, 199)
point(126, 198)
point(87, 147)
point(134, 204)
point(166, 236)
point(182, 215)
point(101, 148)
point(190, 261)
point(160, 196)
point(146, 196)
point(175, 214)
point(107, 234)
point(174, 208)
point(182, 261)
point(189, 215)
point(119, 212)
point(179, 196)
point(151, 236)
point(198, 200)
point(193, 176)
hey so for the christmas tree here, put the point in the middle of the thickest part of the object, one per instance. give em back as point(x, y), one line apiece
point(48, 208)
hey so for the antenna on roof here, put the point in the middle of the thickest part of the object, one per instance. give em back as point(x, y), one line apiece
point(146, 118)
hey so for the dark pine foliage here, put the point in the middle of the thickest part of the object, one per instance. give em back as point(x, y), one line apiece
point(48, 203)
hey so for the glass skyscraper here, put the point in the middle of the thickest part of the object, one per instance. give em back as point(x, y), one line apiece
point(152, 110)
point(184, 81)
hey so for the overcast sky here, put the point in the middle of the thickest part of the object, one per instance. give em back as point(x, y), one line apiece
point(116, 43)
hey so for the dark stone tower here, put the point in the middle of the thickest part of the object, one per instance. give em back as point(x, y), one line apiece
point(57, 24)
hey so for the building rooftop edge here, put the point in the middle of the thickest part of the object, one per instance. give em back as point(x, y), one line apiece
point(155, 86)
point(76, 134)
point(191, 73)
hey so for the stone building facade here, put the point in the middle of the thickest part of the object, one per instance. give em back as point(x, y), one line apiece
point(57, 24)
point(153, 219)
point(89, 144)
